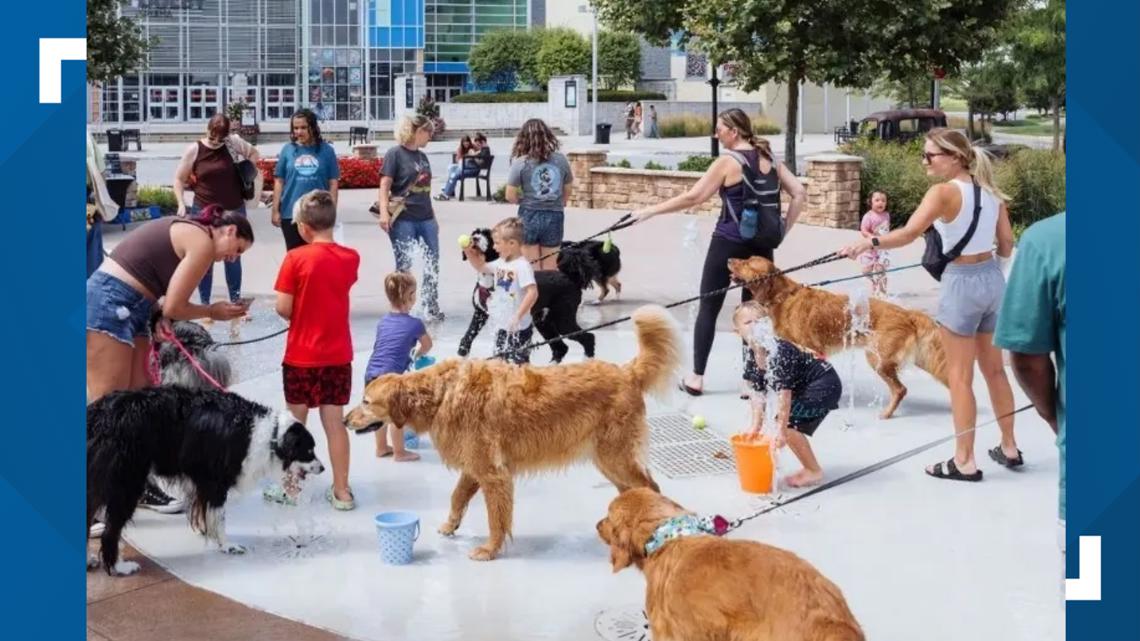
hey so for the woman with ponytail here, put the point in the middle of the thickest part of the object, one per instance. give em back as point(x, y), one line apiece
point(726, 177)
point(972, 289)
point(159, 263)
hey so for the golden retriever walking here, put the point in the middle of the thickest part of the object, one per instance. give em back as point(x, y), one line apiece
point(701, 587)
point(493, 421)
point(820, 321)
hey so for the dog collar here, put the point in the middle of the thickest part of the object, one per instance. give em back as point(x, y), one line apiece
point(273, 441)
point(685, 525)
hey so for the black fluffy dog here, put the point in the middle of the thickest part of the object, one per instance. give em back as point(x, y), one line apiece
point(609, 265)
point(209, 441)
point(555, 313)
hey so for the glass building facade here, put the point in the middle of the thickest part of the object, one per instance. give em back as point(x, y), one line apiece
point(338, 57)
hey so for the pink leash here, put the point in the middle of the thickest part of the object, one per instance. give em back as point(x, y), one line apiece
point(155, 375)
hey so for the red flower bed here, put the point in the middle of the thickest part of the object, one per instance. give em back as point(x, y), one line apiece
point(355, 173)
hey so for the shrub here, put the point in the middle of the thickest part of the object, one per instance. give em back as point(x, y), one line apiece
point(690, 125)
point(624, 95)
point(893, 169)
point(355, 173)
point(163, 197)
point(652, 166)
point(623, 164)
point(699, 163)
point(1034, 180)
point(510, 96)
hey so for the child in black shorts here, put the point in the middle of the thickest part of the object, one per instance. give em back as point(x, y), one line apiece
point(807, 386)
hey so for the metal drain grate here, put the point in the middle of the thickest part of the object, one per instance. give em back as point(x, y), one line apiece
point(623, 624)
point(680, 451)
point(674, 428)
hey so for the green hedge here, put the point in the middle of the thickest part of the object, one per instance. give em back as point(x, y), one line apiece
point(161, 196)
point(696, 163)
point(540, 96)
point(506, 96)
point(689, 125)
point(1034, 180)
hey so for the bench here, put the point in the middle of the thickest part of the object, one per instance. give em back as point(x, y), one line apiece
point(483, 173)
point(357, 134)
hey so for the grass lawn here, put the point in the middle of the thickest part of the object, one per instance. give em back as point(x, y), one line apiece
point(952, 104)
point(1034, 127)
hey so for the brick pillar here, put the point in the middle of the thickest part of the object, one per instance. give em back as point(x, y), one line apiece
point(581, 162)
point(833, 191)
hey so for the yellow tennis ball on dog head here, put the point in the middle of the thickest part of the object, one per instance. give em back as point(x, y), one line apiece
point(464, 241)
point(699, 422)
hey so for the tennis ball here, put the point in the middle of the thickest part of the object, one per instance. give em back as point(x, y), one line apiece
point(608, 245)
point(699, 422)
point(464, 241)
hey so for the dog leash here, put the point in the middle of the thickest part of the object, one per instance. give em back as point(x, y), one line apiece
point(622, 223)
point(169, 336)
point(724, 526)
point(876, 272)
point(252, 340)
point(829, 258)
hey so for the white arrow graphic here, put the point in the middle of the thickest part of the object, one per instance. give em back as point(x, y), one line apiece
point(1086, 587)
point(53, 51)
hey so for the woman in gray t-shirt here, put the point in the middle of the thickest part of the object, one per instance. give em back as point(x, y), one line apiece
point(406, 176)
point(539, 181)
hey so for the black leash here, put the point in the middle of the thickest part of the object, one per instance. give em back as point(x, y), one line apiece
point(832, 257)
point(622, 223)
point(875, 467)
point(253, 340)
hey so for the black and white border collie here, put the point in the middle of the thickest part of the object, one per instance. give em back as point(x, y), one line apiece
point(209, 441)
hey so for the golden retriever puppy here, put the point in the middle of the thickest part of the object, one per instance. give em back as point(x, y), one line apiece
point(701, 587)
point(492, 420)
point(820, 321)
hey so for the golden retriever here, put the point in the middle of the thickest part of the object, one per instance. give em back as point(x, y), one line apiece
point(820, 321)
point(494, 421)
point(706, 588)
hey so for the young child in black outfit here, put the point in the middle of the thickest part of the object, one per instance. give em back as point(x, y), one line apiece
point(808, 389)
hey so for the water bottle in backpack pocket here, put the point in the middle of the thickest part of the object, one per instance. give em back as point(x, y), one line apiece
point(749, 223)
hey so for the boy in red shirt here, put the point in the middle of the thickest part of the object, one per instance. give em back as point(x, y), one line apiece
point(312, 294)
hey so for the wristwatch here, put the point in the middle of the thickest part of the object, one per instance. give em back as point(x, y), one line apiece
point(874, 241)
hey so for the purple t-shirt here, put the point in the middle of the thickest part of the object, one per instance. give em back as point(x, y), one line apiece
point(396, 335)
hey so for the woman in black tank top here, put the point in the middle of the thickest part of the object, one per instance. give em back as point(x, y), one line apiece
point(725, 176)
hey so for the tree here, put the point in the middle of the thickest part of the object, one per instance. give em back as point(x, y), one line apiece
point(115, 45)
point(504, 58)
point(619, 59)
point(562, 51)
point(849, 43)
point(911, 91)
point(1038, 48)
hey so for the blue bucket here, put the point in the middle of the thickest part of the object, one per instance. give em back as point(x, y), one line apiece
point(397, 532)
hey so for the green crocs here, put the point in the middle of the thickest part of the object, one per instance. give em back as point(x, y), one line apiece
point(338, 504)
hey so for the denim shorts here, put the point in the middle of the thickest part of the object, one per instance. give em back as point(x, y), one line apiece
point(116, 309)
point(971, 298)
point(542, 226)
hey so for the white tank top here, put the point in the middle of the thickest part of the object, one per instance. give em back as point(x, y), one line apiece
point(953, 231)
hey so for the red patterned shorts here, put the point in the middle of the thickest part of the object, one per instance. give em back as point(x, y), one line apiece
point(316, 386)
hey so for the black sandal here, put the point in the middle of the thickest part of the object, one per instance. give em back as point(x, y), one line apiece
point(1000, 458)
point(952, 473)
point(691, 391)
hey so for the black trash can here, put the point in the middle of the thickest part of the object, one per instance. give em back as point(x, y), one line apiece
point(115, 140)
point(602, 133)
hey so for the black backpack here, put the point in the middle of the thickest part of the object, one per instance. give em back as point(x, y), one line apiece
point(760, 223)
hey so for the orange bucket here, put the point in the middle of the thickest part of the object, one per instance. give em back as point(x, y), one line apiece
point(754, 463)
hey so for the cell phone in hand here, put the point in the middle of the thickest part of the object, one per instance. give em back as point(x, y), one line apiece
point(245, 302)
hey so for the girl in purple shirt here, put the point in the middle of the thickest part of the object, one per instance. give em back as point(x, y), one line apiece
point(396, 334)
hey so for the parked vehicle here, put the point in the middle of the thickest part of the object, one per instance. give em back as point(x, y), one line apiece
point(895, 125)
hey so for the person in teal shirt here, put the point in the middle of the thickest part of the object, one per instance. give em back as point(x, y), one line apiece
point(1031, 326)
point(307, 163)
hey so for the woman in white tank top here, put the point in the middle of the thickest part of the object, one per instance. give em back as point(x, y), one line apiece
point(971, 292)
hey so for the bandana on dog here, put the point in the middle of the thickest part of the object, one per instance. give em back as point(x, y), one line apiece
point(685, 525)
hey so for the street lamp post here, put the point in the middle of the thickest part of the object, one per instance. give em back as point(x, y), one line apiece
point(714, 81)
point(586, 8)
